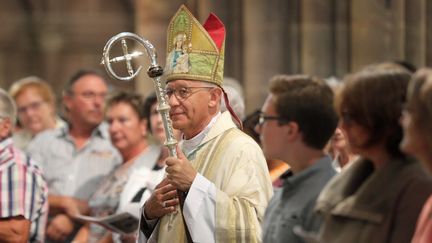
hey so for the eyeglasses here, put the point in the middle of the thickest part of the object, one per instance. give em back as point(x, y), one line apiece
point(262, 118)
point(184, 92)
point(32, 106)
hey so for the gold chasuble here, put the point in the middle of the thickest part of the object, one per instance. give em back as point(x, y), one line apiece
point(227, 157)
point(235, 164)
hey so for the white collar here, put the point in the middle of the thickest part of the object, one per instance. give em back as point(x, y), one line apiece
point(190, 145)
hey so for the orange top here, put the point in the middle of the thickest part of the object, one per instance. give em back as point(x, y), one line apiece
point(276, 171)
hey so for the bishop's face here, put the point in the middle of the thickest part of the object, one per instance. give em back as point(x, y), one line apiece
point(190, 102)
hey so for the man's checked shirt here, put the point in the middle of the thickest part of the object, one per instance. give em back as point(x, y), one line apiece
point(23, 190)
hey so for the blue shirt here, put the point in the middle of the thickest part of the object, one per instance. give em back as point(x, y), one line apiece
point(69, 171)
point(293, 204)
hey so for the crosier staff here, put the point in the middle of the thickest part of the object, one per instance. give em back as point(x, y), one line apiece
point(155, 72)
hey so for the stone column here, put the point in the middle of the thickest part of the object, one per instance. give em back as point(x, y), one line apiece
point(317, 46)
point(428, 52)
point(264, 50)
point(151, 21)
point(415, 47)
point(377, 31)
point(341, 44)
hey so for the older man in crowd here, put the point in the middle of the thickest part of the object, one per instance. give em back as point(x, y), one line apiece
point(23, 191)
point(75, 158)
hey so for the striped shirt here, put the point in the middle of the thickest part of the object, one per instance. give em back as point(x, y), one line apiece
point(23, 190)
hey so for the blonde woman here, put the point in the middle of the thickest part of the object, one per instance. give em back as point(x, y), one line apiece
point(35, 102)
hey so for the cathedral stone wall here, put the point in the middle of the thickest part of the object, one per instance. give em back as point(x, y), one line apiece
point(327, 38)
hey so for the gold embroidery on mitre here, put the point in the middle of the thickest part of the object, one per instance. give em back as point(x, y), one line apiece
point(191, 52)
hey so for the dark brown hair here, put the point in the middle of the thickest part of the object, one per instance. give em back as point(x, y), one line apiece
point(308, 101)
point(373, 98)
point(149, 101)
point(81, 73)
point(133, 100)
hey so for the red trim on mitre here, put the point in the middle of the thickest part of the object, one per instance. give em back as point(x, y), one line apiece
point(215, 29)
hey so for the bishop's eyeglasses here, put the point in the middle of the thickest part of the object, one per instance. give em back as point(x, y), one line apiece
point(183, 93)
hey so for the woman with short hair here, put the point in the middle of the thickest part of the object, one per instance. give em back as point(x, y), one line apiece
point(131, 120)
point(379, 197)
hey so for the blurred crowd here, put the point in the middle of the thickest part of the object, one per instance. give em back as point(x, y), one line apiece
point(106, 154)
point(323, 160)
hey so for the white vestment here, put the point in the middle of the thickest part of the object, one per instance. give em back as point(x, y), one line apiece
point(228, 197)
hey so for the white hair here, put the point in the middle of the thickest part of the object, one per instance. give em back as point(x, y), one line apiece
point(235, 96)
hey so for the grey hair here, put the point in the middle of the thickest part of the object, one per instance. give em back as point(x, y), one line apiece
point(7, 106)
point(235, 96)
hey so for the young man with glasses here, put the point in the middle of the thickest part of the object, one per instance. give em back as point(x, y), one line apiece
point(76, 157)
point(220, 173)
point(296, 122)
point(24, 192)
